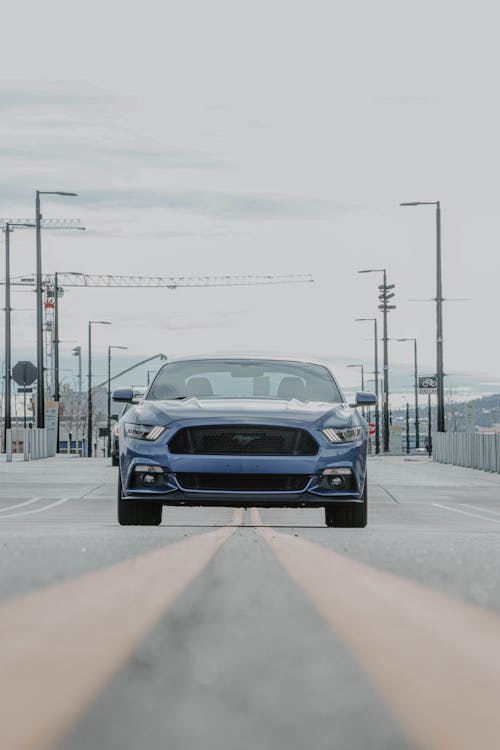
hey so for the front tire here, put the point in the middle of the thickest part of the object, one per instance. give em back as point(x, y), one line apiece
point(137, 513)
point(349, 515)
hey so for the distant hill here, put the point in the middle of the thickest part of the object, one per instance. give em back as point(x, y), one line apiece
point(487, 410)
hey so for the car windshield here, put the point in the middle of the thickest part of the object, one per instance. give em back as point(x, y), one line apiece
point(249, 379)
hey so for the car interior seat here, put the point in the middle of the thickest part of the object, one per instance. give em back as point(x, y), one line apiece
point(199, 387)
point(291, 387)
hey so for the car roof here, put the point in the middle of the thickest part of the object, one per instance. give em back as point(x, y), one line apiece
point(247, 356)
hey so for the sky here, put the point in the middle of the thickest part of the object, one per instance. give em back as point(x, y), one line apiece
point(263, 137)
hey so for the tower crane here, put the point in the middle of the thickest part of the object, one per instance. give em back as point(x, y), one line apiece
point(74, 279)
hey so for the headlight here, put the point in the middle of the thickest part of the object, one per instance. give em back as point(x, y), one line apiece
point(345, 435)
point(143, 431)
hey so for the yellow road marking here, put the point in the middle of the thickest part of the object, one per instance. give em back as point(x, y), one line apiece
point(435, 659)
point(61, 645)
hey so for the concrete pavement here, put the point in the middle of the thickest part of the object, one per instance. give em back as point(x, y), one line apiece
point(245, 653)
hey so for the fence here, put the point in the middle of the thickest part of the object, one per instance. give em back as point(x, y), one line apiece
point(470, 449)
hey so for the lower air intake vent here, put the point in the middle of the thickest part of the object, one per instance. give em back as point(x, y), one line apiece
point(244, 482)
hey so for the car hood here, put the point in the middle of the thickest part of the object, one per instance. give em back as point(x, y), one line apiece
point(267, 410)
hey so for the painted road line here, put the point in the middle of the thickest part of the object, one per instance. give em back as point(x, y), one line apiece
point(20, 505)
point(60, 646)
point(435, 659)
point(466, 513)
point(39, 510)
point(478, 507)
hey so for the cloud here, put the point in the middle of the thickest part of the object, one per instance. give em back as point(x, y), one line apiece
point(219, 204)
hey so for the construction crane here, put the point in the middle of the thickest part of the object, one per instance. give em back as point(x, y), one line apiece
point(74, 279)
point(46, 223)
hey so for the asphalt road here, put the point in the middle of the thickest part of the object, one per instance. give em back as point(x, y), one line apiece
point(256, 629)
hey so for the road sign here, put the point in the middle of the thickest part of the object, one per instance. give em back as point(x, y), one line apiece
point(24, 373)
point(371, 428)
point(427, 384)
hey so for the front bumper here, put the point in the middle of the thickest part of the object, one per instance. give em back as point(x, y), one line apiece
point(315, 493)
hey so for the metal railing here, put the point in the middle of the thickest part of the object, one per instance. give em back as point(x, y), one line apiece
point(469, 449)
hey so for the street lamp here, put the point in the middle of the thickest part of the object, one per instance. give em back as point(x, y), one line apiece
point(109, 393)
point(417, 422)
point(40, 395)
point(384, 297)
point(439, 314)
point(89, 394)
point(377, 412)
point(8, 228)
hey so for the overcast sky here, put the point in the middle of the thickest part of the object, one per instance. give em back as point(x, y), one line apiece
point(265, 137)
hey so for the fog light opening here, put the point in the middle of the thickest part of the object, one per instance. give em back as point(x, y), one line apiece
point(148, 479)
point(336, 481)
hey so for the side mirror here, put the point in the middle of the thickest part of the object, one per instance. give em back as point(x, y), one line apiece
point(364, 399)
point(123, 395)
point(114, 417)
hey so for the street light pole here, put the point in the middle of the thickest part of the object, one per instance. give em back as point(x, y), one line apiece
point(40, 395)
point(109, 395)
point(377, 411)
point(415, 372)
point(89, 392)
point(7, 418)
point(439, 314)
point(8, 228)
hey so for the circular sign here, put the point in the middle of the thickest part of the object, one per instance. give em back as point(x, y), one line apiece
point(24, 373)
point(371, 429)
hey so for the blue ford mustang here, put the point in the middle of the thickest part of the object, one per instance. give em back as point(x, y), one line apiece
point(243, 432)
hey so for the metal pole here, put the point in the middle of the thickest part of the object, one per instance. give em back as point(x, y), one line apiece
point(89, 397)
point(57, 395)
point(429, 428)
point(109, 401)
point(439, 326)
point(407, 427)
point(417, 421)
point(40, 394)
point(7, 419)
point(385, 405)
point(80, 370)
point(377, 412)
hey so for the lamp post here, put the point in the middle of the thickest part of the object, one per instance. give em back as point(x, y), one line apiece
point(8, 228)
point(109, 393)
point(40, 395)
point(439, 314)
point(384, 297)
point(89, 394)
point(415, 370)
point(377, 412)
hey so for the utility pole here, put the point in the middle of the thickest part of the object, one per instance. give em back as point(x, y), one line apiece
point(384, 297)
point(89, 392)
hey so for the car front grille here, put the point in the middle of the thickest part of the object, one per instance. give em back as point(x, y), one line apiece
point(243, 482)
point(243, 440)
